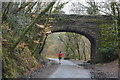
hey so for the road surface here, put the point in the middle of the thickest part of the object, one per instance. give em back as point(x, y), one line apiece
point(68, 69)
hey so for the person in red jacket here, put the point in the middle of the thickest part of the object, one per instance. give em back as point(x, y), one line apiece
point(60, 57)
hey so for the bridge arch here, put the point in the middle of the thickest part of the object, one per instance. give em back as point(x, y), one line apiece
point(90, 38)
point(89, 26)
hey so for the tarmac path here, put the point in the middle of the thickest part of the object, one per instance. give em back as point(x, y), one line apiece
point(68, 69)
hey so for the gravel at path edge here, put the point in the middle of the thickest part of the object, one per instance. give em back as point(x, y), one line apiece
point(44, 72)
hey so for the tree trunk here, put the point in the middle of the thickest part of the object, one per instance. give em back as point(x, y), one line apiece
point(5, 12)
point(42, 46)
point(78, 51)
point(118, 26)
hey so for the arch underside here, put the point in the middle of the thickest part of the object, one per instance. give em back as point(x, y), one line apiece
point(91, 39)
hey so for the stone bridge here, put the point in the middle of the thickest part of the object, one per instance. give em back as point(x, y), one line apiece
point(89, 26)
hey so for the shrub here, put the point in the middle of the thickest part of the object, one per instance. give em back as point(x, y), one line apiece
point(108, 54)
